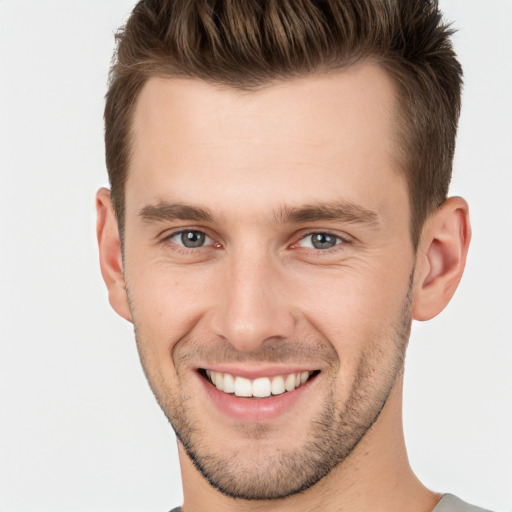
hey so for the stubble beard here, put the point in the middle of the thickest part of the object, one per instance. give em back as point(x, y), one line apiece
point(332, 436)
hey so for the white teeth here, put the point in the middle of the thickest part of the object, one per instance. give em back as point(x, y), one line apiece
point(261, 387)
point(278, 385)
point(243, 387)
point(219, 381)
point(229, 383)
point(289, 383)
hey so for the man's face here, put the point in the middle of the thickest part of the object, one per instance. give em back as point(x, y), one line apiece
point(267, 242)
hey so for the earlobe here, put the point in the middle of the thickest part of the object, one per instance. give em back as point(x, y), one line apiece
point(111, 261)
point(441, 258)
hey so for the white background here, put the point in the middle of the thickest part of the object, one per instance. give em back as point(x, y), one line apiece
point(79, 428)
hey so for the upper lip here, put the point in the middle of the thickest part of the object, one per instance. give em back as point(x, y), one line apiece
point(254, 372)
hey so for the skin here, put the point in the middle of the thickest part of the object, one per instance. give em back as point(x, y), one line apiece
point(258, 295)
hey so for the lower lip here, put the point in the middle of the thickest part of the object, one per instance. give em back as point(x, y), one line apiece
point(254, 410)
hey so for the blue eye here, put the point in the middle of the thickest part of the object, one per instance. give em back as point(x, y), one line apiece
point(191, 239)
point(320, 241)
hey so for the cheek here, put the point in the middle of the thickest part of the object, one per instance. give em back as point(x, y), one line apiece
point(166, 304)
point(359, 318)
point(351, 308)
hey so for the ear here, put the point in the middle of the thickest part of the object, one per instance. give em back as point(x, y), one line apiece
point(111, 259)
point(441, 258)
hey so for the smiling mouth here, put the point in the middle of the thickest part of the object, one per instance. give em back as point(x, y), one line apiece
point(262, 387)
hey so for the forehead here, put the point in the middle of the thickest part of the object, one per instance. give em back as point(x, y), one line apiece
point(306, 140)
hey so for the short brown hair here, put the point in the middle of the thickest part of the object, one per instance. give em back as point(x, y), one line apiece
point(247, 44)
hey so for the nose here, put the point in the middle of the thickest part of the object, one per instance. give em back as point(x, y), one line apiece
point(252, 307)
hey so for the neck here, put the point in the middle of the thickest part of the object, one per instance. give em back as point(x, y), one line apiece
point(376, 476)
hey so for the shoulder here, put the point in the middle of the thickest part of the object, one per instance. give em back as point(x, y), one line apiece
point(450, 503)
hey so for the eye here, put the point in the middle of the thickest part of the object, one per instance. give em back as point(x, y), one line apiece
point(321, 241)
point(191, 239)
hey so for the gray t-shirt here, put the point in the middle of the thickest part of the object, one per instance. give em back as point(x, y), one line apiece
point(448, 503)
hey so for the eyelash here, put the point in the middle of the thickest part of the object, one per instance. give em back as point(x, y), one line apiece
point(340, 241)
point(182, 247)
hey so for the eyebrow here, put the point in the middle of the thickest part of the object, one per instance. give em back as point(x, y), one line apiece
point(342, 211)
point(164, 211)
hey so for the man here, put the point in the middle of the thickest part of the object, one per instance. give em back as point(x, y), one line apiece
point(278, 216)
